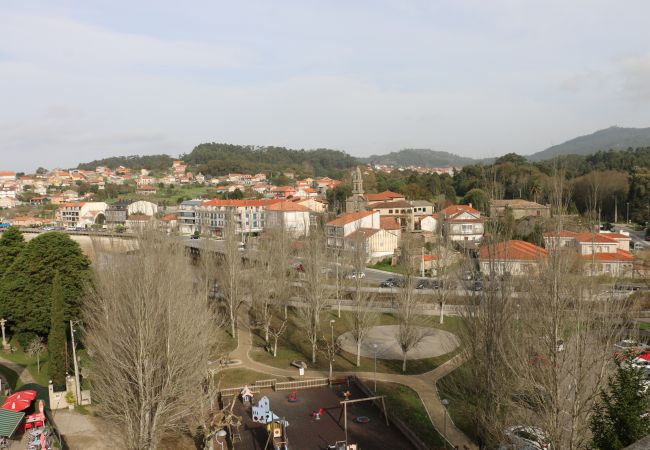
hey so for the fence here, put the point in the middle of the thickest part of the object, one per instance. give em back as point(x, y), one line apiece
point(301, 384)
point(237, 390)
point(265, 383)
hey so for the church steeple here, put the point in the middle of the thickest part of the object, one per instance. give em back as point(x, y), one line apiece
point(357, 182)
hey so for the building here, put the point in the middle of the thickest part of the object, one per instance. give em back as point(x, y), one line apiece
point(249, 216)
point(341, 227)
point(142, 207)
point(82, 214)
point(408, 214)
point(357, 201)
point(292, 217)
point(511, 257)
point(283, 192)
point(6, 175)
point(117, 213)
point(386, 196)
point(29, 221)
point(462, 224)
point(518, 208)
point(186, 216)
point(379, 236)
point(145, 190)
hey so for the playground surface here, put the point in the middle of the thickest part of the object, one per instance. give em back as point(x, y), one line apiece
point(306, 433)
point(435, 343)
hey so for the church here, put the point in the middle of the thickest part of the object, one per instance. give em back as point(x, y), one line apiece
point(358, 201)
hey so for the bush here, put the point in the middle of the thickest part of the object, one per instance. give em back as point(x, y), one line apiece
point(24, 338)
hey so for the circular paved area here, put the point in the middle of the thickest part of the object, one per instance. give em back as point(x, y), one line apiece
point(435, 343)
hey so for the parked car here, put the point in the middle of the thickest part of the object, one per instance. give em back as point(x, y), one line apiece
point(630, 344)
point(522, 437)
point(476, 285)
point(355, 275)
point(428, 284)
point(387, 283)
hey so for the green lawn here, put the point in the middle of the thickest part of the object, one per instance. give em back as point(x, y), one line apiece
point(19, 357)
point(295, 346)
point(451, 388)
point(404, 402)
point(386, 267)
point(238, 377)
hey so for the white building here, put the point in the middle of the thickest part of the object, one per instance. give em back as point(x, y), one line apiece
point(82, 214)
point(293, 217)
point(142, 207)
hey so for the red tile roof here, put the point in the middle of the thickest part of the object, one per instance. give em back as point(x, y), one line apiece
point(239, 203)
point(362, 232)
point(349, 218)
point(288, 206)
point(383, 196)
point(393, 204)
point(594, 237)
point(457, 209)
point(388, 223)
point(168, 217)
point(617, 236)
point(513, 250)
point(7, 173)
point(619, 256)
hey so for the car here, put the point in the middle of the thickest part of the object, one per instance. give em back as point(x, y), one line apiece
point(428, 284)
point(647, 238)
point(630, 344)
point(387, 283)
point(299, 267)
point(355, 275)
point(524, 437)
point(641, 362)
point(48, 228)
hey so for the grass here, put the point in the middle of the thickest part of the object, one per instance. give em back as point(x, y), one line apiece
point(451, 387)
point(20, 357)
point(386, 267)
point(404, 403)
point(236, 377)
point(295, 346)
point(10, 376)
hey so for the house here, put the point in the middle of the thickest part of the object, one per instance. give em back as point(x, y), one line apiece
point(462, 224)
point(29, 221)
point(145, 190)
point(512, 257)
point(315, 205)
point(559, 239)
point(292, 217)
point(8, 202)
point(138, 221)
point(430, 223)
point(386, 196)
point(7, 175)
point(186, 216)
point(518, 208)
point(169, 223)
point(178, 167)
point(39, 200)
point(408, 214)
point(117, 213)
point(364, 227)
point(145, 180)
point(341, 227)
point(283, 192)
point(602, 254)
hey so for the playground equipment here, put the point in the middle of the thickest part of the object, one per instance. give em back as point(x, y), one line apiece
point(277, 431)
point(344, 412)
point(318, 413)
point(226, 419)
point(262, 412)
point(293, 397)
point(246, 395)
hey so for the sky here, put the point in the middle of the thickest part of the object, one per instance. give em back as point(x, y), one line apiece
point(81, 80)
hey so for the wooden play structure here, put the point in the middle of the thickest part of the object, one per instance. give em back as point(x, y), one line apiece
point(277, 432)
point(225, 419)
point(344, 412)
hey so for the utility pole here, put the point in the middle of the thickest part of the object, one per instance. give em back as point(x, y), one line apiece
point(627, 216)
point(76, 366)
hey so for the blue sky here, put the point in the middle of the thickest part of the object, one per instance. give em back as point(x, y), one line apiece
point(83, 80)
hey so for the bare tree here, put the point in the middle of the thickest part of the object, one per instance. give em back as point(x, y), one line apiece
point(329, 348)
point(36, 348)
point(276, 331)
point(363, 315)
point(150, 331)
point(230, 275)
point(315, 289)
point(411, 329)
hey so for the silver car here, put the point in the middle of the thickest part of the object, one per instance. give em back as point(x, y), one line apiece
point(524, 437)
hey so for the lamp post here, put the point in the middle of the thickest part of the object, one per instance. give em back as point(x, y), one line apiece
point(445, 403)
point(221, 434)
point(332, 322)
point(627, 214)
point(331, 352)
point(76, 366)
point(374, 347)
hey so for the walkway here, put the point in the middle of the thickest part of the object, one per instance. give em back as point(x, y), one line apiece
point(424, 384)
point(23, 374)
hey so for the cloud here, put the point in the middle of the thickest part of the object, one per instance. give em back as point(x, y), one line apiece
point(636, 77)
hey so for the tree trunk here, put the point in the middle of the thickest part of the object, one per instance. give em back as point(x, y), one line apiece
point(275, 347)
point(38, 363)
point(404, 363)
point(313, 352)
point(442, 312)
point(266, 332)
point(358, 353)
point(233, 319)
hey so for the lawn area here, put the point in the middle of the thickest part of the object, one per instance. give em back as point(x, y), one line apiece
point(386, 267)
point(238, 377)
point(10, 376)
point(644, 325)
point(404, 402)
point(19, 357)
point(295, 346)
point(451, 388)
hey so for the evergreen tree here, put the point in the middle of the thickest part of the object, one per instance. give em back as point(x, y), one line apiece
point(27, 284)
point(619, 417)
point(57, 336)
point(11, 244)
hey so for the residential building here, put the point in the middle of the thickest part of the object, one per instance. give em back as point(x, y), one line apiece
point(145, 180)
point(341, 227)
point(512, 257)
point(178, 168)
point(379, 236)
point(293, 217)
point(39, 200)
point(145, 190)
point(29, 221)
point(187, 216)
point(8, 202)
point(462, 224)
point(249, 216)
point(169, 223)
point(518, 208)
point(386, 196)
point(283, 192)
point(408, 214)
point(82, 214)
point(117, 213)
point(142, 207)
point(7, 175)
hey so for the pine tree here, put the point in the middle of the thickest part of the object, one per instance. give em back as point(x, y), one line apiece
point(619, 417)
point(11, 244)
point(57, 336)
point(27, 285)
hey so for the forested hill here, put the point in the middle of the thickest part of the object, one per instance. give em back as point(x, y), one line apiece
point(422, 157)
point(134, 162)
point(613, 138)
point(218, 159)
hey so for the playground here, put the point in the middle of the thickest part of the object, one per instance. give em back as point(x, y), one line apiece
point(316, 419)
point(436, 342)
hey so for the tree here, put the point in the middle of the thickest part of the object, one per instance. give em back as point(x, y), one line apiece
point(150, 328)
point(478, 198)
point(36, 348)
point(230, 277)
point(27, 284)
point(11, 244)
point(56, 340)
point(619, 418)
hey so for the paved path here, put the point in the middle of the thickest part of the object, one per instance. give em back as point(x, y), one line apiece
point(424, 384)
point(23, 374)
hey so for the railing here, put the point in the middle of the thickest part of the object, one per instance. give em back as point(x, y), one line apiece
point(302, 384)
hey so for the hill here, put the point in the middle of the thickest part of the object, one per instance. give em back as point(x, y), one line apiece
point(133, 162)
point(612, 138)
point(419, 157)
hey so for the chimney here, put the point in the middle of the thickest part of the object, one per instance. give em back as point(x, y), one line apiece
point(470, 205)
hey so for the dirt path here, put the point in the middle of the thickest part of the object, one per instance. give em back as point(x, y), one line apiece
point(23, 374)
point(424, 384)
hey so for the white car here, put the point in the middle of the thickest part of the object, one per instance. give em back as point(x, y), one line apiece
point(523, 437)
point(355, 275)
point(629, 344)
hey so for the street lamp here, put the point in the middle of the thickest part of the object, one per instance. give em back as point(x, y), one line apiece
point(374, 347)
point(331, 351)
point(221, 434)
point(445, 403)
point(332, 322)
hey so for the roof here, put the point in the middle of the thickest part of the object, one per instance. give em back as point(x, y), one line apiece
point(7, 173)
point(394, 204)
point(619, 256)
point(456, 209)
point(239, 203)
point(426, 258)
point(513, 250)
point(561, 234)
point(349, 218)
point(421, 203)
point(73, 204)
point(383, 196)
point(146, 188)
point(168, 217)
point(288, 206)
point(283, 189)
point(516, 203)
point(389, 223)
point(617, 236)
point(362, 232)
point(9, 421)
point(140, 217)
point(594, 237)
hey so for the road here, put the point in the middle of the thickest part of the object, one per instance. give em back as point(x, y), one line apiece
point(636, 236)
